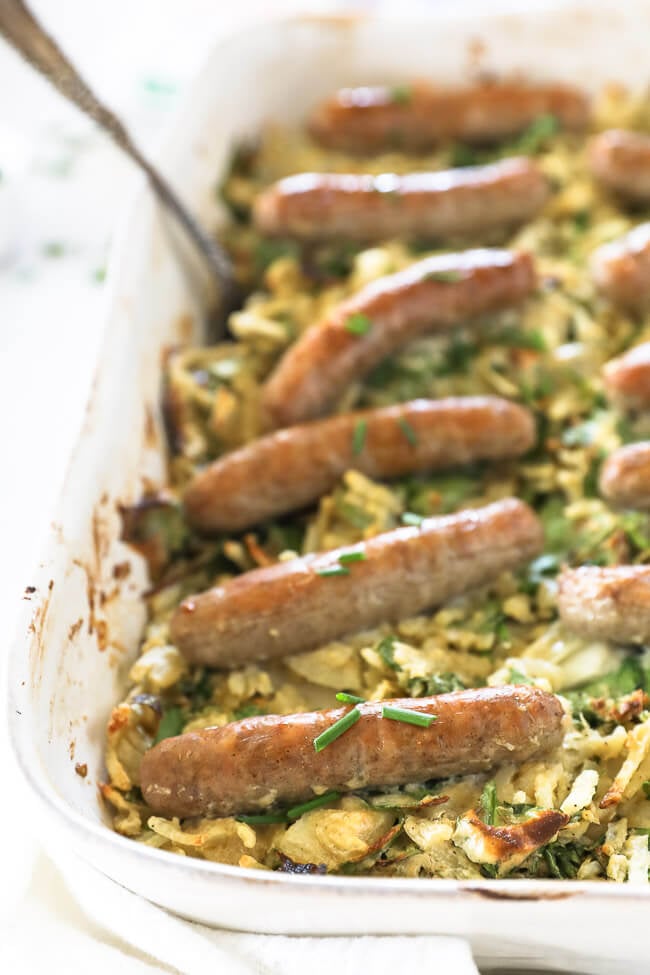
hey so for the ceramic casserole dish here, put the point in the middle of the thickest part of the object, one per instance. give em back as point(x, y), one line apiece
point(83, 613)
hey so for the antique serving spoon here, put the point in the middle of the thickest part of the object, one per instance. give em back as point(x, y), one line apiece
point(21, 29)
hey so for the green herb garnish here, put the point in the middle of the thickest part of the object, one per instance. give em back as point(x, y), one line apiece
point(296, 811)
point(171, 724)
point(410, 518)
point(407, 716)
point(346, 698)
point(488, 803)
point(646, 789)
point(537, 134)
point(346, 557)
point(444, 277)
point(515, 338)
point(359, 436)
point(54, 248)
point(333, 570)
point(337, 729)
point(408, 431)
point(401, 94)
point(386, 650)
point(358, 324)
point(435, 684)
point(247, 711)
point(262, 819)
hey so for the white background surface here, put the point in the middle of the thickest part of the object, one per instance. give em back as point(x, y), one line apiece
point(62, 190)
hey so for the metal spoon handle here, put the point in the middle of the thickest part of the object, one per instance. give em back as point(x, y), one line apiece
point(22, 30)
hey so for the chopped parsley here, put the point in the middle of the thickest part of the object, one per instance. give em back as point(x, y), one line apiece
point(171, 724)
point(386, 650)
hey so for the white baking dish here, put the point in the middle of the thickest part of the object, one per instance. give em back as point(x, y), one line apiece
point(81, 623)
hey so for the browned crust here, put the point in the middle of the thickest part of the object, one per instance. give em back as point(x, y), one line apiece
point(503, 842)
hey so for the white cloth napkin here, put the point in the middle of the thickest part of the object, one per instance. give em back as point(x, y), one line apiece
point(88, 922)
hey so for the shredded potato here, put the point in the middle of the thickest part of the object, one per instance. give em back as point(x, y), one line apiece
point(581, 812)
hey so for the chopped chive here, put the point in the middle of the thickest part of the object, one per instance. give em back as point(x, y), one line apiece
point(445, 277)
point(488, 803)
point(337, 729)
point(333, 570)
point(410, 518)
point(261, 818)
point(358, 324)
point(352, 557)
point(407, 716)
point(316, 803)
point(408, 431)
point(346, 698)
point(359, 436)
point(644, 785)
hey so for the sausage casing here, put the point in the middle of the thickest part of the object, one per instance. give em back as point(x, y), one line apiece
point(621, 270)
point(252, 764)
point(608, 603)
point(627, 379)
point(432, 205)
point(431, 295)
point(621, 161)
point(292, 468)
point(301, 604)
point(625, 476)
point(423, 115)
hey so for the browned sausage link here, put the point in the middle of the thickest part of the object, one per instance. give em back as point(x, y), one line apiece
point(418, 117)
point(621, 270)
point(431, 295)
point(292, 468)
point(458, 202)
point(627, 379)
point(621, 161)
point(611, 603)
point(258, 762)
point(306, 602)
point(625, 476)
